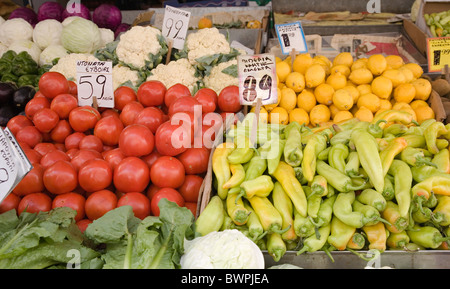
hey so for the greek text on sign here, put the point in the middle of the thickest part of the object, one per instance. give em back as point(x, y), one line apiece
point(94, 79)
point(291, 36)
point(257, 79)
point(438, 50)
point(175, 25)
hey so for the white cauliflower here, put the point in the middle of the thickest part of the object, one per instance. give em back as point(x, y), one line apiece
point(47, 32)
point(218, 79)
point(67, 65)
point(179, 71)
point(107, 36)
point(122, 74)
point(205, 42)
point(141, 47)
point(50, 53)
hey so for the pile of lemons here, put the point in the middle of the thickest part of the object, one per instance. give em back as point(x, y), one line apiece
point(316, 90)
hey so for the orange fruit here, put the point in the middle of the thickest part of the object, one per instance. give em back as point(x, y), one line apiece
point(423, 113)
point(204, 22)
point(319, 114)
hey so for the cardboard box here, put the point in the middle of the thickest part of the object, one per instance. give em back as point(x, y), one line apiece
point(417, 35)
point(428, 7)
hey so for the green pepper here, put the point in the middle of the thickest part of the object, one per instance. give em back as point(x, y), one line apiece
point(397, 240)
point(293, 150)
point(442, 160)
point(255, 229)
point(421, 173)
point(421, 216)
point(254, 168)
point(343, 136)
point(335, 178)
point(402, 184)
point(261, 186)
point(323, 155)
point(415, 140)
point(372, 198)
point(356, 242)
point(325, 212)
point(337, 156)
point(303, 226)
point(415, 157)
point(437, 184)
point(352, 165)
point(275, 154)
point(299, 175)
point(9, 77)
point(396, 129)
point(426, 236)
point(341, 234)
point(392, 215)
point(276, 247)
point(23, 64)
point(236, 209)
point(315, 145)
point(431, 202)
point(375, 130)
point(312, 243)
point(27, 79)
point(9, 55)
point(431, 134)
point(388, 154)
point(443, 209)
point(283, 204)
point(388, 190)
point(243, 152)
point(5, 67)
point(318, 186)
point(314, 201)
point(342, 209)
point(371, 214)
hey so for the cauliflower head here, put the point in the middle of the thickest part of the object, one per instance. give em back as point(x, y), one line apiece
point(222, 75)
point(67, 65)
point(15, 29)
point(123, 75)
point(205, 42)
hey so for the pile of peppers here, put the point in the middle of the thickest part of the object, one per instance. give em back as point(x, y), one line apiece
point(380, 185)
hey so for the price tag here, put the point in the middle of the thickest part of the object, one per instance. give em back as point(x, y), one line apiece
point(175, 25)
point(438, 52)
point(94, 79)
point(257, 79)
point(291, 37)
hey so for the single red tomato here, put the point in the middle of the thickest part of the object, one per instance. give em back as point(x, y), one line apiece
point(45, 119)
point(166, 193)
point(29, 135)
point(62, 104)
point(44, 147)
point(122, 96)
point(99, 203)
point(151, 93)
point(113, 157)
point(72, 141)
point(192, 206)
point(184, 104)
point(190, 189)
point(83, 224)
point(72, 152)
point(131, 175)
point(35, 104)
point(108, 130)
point(73, 88)
point(91, 142)
point(32, 155)
point(61, 131)
point(151, 158)
point(172, 139)
point(84, 155)
point(83, 118)
point(167, 172)
point(136, 140)
point(35, 203)
point(18, 122)
point(110, 111)
point(72, 200)
point(61, 147)
point(52, 83)
point(152, 117)
point(60, 178)
point(176, 91)
point(151, 191)
point(228, 99)
point(138, 201)
point(52, 157)
point(95, 175)
point(130, 111)
point(32, 183)
point(195, 160)
point(208, 98)
point(11, 201)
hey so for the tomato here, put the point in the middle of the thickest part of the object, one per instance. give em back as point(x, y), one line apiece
point(207, 97)
point(72, 152)
point(184, 104)
point(138, 201)
point(84, 155)
point(32, 155)
point(228, 99)
point(167, 172)
point(44, 147)
point(99, 203)
point(11, 201)
point(172, 139)
point(45, 119)
point(113, 157)
point(35, 203)
point(176, 91)
point(192, 206)
point(73, 140)
point(71, 200)
point(29, 135)
point(131, 175)
point(62, 104)
point(83, 118)
point(61, 131)
point(108, 130)
point(151, 158)
point(83, 224)
point(73, 89)
point(110, 112)
point(32, 182)
point(151, 93)
point(152, 117)
point(151, 191)
point(35, 104)
point(122, 96)
point(91, 142)
point(52, 83)
point(61, 147)
point(190, 121)
point(190, 189)
point(195, 160)
point(94, 175)
point(136, 140)
point(166, 193)
point(18, 122)
point(129, 112)
point(60, 178)
point(52, 157)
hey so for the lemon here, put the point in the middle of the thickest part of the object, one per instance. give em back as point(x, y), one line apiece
point(323, 59)
point(324, 93)
point(319, 114)
point(394, 61)
point(364, 114)
point(359, 63)
point(337, 80)
point(344, 58)
point(376, 63)
point(306, 99)
point(409, 76)
point(269, 107)
point(424, 112)
point(302, 62)
point(342, 115)
point(282, 69)
point(340, 68)
point(382, 87)
point(395, 76)
point(288, 99)
point(342, 99)
point(404, 92)
point(333, 110)
point(364, 88)
point(369, 100)
point(296, 81)
point(354, 92)
point(263, 114)
point(315, 75)
point(278, 115)
point(416, 103)
point(415, 68)
point(423, 88)
point(361, 76)
point(299, 115)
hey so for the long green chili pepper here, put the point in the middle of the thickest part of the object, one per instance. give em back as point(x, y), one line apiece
point(356, 242)
point(243, 152)
point(293, 150)
point(335, 178)
point(397, 240)
point(402, 184)
point(314, 201)
point(388, 154)
point(318, 186)
point(442, 160)
point(341, 234)
point(261, 186)
point(427, 236)
point(342, 209)
point(337, 156)
point(415, 157)
point(388, 190)
point(431, 133)
point(443, 208)
point(299, 176)
point(392, 215)
point(303, 226)
point(325, 212)
point(284, 205)
point(237, 176)
point(396, 129)
point(276, 247)
point(236, 209)
point(255, 168)
point(372, 198)
point(315, 145)
point(275, 154)
point(323, 155)
point(422, 216)
point(370, 213)
point(375, 130)
point(312, 243)
point(421, 173)
point(352, 165)
point(431, 202)
point(343, 136)
point(255, 229)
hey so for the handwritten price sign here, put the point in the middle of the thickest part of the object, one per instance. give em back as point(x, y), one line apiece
point(94, 79)
point(175, 25)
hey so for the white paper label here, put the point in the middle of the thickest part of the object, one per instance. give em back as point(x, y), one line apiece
point(291, 36)
point(94, 79)
point(175, 25)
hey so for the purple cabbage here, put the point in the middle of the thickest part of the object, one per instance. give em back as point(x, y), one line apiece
point(121, 28)
point(25, 13)
point(107, 16)
point(50, 10)
point(80, 11)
